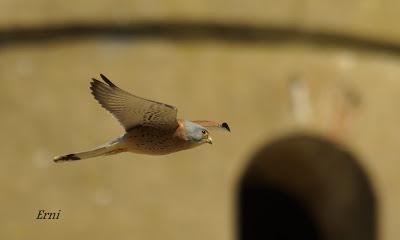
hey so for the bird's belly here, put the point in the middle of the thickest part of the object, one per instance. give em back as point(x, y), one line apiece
point(154, 144)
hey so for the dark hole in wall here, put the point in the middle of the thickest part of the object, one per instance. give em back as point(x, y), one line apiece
point(269, 213)
point(305, 187)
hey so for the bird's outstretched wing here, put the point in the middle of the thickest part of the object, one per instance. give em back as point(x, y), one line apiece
point(131, 110)
point(213, 125)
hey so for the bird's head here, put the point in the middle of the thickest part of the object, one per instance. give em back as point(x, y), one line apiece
point(197, 133)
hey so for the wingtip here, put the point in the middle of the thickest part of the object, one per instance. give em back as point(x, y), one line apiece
point(93, 84)
point(226, 126)
point(108, 81)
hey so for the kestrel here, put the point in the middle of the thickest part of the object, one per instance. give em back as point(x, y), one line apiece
point(150, 127)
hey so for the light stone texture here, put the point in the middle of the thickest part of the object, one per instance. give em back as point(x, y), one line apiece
point(368, 19)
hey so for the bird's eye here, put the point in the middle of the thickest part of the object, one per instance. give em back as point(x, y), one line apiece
point(203, 132)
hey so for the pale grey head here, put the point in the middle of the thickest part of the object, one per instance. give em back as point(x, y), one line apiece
point(197, 133)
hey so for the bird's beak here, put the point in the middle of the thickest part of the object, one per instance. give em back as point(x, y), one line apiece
point(209, 140)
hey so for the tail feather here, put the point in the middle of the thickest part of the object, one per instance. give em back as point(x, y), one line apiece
point(111, 148)
point(68, 157)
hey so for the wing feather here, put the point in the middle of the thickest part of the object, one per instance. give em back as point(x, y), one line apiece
point(131, 110)
point(213, 125)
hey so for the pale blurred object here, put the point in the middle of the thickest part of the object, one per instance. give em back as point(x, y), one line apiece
point(300, 101)
point(334, 111)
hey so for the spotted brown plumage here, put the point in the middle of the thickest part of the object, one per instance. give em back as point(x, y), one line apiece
point(151, 127)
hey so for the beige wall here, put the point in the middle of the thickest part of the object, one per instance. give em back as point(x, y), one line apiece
point(46, 110)
point(373, 19)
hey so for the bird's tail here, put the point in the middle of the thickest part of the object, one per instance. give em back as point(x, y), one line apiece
point(112, 147)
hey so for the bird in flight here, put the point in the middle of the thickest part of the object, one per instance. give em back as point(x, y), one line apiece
point(150, 127)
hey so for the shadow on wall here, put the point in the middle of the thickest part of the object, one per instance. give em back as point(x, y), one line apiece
point(304, 187)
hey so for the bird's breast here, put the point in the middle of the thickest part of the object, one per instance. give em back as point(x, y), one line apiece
point(148, 140)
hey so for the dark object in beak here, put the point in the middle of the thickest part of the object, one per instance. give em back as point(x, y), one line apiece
point(225, 125)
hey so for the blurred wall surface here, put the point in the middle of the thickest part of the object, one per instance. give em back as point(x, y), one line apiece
point(269, 68)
